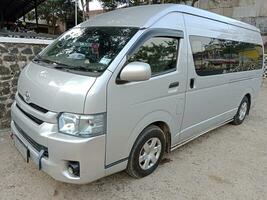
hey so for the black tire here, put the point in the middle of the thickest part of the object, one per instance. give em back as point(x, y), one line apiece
point(148, 134)
point(237, 120)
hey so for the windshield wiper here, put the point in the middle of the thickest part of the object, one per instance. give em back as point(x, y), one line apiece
point(76, 68)
point(58, 65)
point(40, 59)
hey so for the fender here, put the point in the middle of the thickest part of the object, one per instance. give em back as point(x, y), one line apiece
point(148, 119)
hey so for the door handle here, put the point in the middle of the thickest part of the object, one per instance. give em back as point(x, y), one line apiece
point(192, 83)
point(174, 84)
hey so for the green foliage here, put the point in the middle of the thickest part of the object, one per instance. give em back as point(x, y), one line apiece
point(112, 4)
point(160, 54)
point(63, 10)
point(56, 10)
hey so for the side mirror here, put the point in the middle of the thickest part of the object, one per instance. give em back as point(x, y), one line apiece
point(136, 71)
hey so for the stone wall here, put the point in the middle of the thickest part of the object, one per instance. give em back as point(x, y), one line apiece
point(13, 57)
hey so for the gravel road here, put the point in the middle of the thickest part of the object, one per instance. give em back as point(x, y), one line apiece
point(227, 163)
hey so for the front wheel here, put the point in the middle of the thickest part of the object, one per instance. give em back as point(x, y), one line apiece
point(146, 152)
point(242, 111)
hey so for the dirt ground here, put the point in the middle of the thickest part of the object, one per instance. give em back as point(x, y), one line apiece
point(227, 163)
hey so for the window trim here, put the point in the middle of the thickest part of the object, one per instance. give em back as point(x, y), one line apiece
point(155, 32)
point(148, 34)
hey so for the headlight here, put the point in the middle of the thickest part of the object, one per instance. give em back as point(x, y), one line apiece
point(82, 125)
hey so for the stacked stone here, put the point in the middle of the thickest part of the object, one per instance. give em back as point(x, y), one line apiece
point(13, 57)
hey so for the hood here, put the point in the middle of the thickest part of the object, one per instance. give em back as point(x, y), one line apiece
point(53, 89)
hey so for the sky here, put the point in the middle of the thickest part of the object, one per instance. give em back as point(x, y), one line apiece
point(93, 5)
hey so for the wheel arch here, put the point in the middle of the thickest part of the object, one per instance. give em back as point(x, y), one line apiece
point(248, 92)
point(162, 119)
point(166, 130)
point(248, 95)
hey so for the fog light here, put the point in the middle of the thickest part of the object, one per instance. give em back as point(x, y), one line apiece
point(74, 168)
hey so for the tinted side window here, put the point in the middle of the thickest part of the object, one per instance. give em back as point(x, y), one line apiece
point(247, 56)
point(215, 56)
point(159, 52)
point(210, 55)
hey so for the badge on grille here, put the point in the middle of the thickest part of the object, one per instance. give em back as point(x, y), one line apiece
point(27, 97)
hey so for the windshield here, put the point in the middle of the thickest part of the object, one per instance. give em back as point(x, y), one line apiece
point(89, 49)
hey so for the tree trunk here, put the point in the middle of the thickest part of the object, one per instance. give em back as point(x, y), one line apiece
point(54, 23)
point(194, 2)
point(84, 17)
point(87, 8)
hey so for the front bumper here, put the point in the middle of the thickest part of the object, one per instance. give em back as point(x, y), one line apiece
point(89, 152)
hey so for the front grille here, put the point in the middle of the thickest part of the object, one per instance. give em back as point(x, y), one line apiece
point(35, 145)
point(36, 107)
point(36, 120)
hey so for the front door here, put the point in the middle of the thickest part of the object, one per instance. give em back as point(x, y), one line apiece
point(136, 104)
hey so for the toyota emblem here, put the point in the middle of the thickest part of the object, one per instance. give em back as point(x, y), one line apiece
point(27, 97)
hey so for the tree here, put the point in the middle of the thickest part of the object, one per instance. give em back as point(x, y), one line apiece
point(85, 8)
point(112, 4)
point(56, 10)
point(187, 2)
point(49, 11)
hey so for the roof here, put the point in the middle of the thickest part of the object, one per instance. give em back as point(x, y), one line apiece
point(145, 16)
point(15, 9)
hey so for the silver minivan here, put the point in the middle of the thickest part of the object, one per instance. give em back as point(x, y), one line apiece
point(119, 90)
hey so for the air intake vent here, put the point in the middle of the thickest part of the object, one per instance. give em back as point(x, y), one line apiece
point(36, 120)
point(35, 145)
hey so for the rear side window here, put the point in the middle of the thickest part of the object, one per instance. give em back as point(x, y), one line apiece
point(246, 56)
point(215, 56)
point(159, 52)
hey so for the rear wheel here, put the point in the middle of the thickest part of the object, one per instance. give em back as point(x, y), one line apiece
point(147, 152)
point(241, 112)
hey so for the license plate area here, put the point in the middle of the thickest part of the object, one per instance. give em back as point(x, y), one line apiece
point(22, 148)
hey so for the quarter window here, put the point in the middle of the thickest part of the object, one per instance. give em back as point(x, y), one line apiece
point(159, 52)
point(247, 56)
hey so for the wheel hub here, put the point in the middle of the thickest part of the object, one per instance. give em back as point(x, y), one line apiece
point(150, 153)
point(243, 111)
